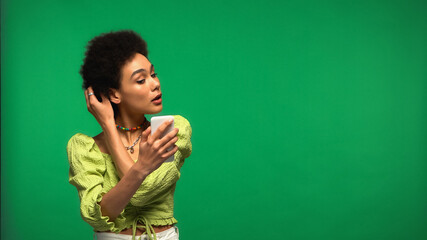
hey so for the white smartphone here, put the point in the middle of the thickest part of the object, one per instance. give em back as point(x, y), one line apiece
point(155, 124)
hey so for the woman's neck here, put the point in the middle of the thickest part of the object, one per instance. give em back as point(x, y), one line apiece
point(131, 122)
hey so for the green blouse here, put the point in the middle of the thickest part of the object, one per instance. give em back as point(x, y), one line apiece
point(93, 173)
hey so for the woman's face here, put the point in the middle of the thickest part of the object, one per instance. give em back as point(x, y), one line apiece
point(139, 86)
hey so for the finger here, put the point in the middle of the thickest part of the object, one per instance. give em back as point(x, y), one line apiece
point(92, 98)
point(172, 133)
point(87, 100)
point(161, 129)
point(169, 144)
point(170, 153)
point(164, 140)
point(104, 98)
point(145, 134)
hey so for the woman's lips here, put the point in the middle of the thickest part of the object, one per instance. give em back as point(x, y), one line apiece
point(157, 101)
point(157, 97)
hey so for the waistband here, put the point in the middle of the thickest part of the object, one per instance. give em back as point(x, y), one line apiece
point(110, 235)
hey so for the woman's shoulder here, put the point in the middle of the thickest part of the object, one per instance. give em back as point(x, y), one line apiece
point(83, 152)
point(183, 125)
point(80, 138)
point(180, 121)
point(84, 155)
point(184, 138)
point(81, 142)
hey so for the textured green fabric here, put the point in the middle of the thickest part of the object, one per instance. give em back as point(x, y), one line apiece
point(93, 173)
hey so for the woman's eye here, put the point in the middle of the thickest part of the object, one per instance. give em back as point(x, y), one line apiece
point(154, 75)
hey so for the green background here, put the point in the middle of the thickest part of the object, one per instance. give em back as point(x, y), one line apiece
point(308, 117)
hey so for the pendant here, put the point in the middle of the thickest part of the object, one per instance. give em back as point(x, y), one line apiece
point(131, 150)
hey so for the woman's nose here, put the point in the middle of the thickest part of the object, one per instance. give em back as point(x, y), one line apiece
point(155, 84)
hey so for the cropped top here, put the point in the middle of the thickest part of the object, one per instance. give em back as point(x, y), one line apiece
point(93, 173)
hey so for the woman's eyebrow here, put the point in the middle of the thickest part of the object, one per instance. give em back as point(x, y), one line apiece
point(140, 70)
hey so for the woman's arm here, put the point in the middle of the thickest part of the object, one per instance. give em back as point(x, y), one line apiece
point(152, 153)
point(104, 115)
point(114, 201)
point(121, 157)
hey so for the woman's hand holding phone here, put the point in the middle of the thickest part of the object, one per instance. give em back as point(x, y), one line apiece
point(153, 149)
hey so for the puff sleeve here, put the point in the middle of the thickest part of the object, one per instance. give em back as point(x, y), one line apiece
point(157, 183)
point(184, 139)
point(87, 168)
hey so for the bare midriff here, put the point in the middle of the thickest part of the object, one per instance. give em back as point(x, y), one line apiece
point(140, 231)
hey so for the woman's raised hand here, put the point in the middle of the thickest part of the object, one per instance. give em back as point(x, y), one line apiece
point(102, 111)
point(153, 149)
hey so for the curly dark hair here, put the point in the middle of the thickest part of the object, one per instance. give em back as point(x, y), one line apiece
point(105, 56)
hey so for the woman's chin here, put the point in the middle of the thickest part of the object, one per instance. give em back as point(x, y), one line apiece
point(158, 109)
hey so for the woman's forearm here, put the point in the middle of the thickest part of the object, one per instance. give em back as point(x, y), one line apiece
point(114, 201)
point(121, 157)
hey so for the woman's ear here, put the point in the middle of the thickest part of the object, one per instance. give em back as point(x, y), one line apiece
point(114, 96)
